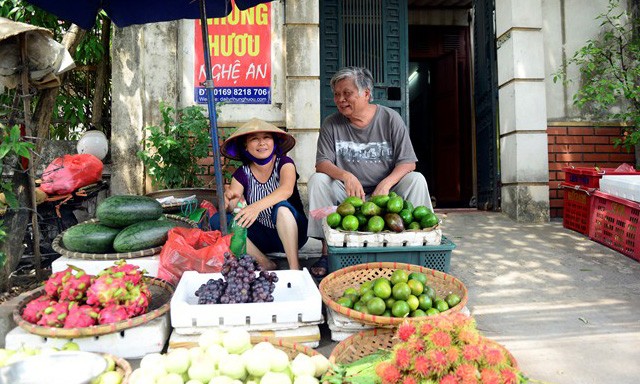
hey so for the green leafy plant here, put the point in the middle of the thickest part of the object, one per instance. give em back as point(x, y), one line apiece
point(173, 150)
point(228, 165)
point(11, 145)
point(74, 102)
point(610, 73)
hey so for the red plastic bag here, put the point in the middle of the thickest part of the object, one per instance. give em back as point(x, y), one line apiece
point(192, 249)
point(67, 173)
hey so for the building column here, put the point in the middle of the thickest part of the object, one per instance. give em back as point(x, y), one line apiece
point(144, 72)
point(302, 41)
point(522, 113)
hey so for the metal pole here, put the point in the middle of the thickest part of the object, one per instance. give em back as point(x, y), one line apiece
point(213, 119)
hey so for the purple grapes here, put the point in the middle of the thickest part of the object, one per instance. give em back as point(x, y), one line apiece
point(239, 283)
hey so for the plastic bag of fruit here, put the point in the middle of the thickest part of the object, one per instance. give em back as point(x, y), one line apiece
point(192, 249)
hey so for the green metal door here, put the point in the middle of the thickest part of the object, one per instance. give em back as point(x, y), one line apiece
point(365, 33)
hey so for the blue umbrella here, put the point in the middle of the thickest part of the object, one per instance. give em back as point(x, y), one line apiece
point(128, 12)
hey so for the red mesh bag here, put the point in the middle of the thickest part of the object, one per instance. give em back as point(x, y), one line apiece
point(67, 173)
point(192, 249)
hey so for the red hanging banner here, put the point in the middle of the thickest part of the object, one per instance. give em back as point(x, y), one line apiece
point(240, 46)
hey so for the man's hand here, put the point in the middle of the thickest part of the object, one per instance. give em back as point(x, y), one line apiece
point(353, 186)
point(381, 190)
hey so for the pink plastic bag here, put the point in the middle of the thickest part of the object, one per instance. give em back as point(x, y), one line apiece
point(192, 249)
point(67, 173)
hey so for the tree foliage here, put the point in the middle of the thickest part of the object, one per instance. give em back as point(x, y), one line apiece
point(609, 68)
point(73, 106)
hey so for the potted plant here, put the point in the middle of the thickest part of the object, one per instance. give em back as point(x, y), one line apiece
point(174, 152)
point(610, 74)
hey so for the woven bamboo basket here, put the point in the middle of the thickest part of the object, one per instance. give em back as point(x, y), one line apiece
point(58, 246)
point(367, 342)
point(292, 349)
point(161, 292)
point(122, 366)
point(334, 284)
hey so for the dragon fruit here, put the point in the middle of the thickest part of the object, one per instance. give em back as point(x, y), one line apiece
point(54, 315)
point(32, 312)
point(53, 285)
point(112, 314)
point(80, 316)
point(137, 301)
point(107, 290)
point(131, 273)
point(75, 286)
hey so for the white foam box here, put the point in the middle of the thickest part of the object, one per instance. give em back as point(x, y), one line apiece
point(92, 267)
point(336, 238)
point(342, 326)
point(296, 300)
point(131, 343)
point(624, 186)
point(308, 335)
point(250, 328)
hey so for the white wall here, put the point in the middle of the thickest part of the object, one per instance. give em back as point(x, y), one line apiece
point(563, 36)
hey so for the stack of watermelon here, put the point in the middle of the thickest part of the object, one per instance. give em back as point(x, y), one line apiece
point(126, 223)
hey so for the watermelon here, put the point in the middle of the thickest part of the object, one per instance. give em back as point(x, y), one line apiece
point(123, 210)
point(89, 238)
point(143, 235)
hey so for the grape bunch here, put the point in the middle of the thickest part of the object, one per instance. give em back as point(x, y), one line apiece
point(210, 292)
point(239, 283)
point(263, 286)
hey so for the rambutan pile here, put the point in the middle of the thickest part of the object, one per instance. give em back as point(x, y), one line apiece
point(446, 349)
point(76, 299)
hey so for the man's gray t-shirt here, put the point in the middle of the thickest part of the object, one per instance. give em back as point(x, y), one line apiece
point(370, 153)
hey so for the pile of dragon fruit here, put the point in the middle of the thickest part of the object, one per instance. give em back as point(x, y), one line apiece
point(75, 299)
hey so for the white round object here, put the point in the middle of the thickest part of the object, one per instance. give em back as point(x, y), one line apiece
point(95, 143)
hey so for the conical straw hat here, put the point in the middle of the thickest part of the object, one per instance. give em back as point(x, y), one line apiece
point(234, 144)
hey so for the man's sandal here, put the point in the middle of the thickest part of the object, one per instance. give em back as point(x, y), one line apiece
point(320, 268)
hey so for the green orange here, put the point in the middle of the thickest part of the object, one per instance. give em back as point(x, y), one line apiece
point(382, 289)
point(401, 291)
point(400, 309)
point(376, 306)
point(334, 219)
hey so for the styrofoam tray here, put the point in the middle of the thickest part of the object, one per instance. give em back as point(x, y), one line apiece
point(337, 238)
point(296, 299)
point(306, 335)
point(341, 323)
point(250, 328)
point(92, 267)
point(623, 186)
point(130, 343)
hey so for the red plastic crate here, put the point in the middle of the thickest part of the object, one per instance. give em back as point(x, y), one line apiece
point(615, 222)
point(589, 176)
point(576, 207)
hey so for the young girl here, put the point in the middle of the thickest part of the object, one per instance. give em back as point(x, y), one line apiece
point(274, 214)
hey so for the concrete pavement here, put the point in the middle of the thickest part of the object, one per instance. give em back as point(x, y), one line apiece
point(566, 307)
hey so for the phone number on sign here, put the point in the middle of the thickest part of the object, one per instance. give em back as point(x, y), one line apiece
point(239, 95)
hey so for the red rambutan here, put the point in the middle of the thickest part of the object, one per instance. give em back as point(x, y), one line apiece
point(406, 330)
point(441, 339)
point(489, 376)
point(509, 376)
point(403, 359)
point(422, 366)
point(493, 356)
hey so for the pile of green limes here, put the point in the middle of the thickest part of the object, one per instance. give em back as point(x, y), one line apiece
point(381, 212)
point(403, 294)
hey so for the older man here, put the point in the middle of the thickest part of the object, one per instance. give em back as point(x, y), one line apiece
point(364, 150)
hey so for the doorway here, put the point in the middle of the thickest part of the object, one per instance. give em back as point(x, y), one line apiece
point(440, 112)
